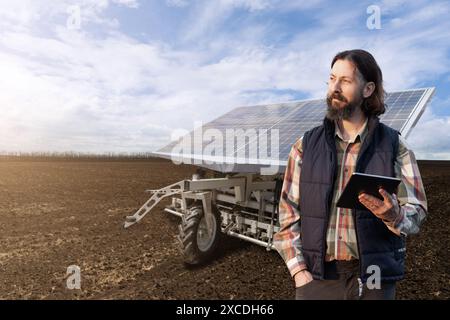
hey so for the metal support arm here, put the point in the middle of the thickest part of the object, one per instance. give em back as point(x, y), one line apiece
point(157, 196)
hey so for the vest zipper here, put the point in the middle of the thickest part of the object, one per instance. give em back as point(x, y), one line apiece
point(360, 287)
point(362, 152)
point(360, 283)
point(329, 195)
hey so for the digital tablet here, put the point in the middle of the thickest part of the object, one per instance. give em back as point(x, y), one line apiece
point(367, 183)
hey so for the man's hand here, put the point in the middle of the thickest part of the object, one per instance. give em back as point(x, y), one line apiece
point(303, 277)
point(388, 210)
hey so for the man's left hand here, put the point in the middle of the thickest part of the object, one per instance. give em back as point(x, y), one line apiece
point(388, 210)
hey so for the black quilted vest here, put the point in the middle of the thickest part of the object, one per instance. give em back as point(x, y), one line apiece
point(377, 245)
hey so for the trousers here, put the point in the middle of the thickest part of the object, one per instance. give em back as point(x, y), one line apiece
point(342, 283)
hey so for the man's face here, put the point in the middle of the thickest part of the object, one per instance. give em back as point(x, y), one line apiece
point(345, 90)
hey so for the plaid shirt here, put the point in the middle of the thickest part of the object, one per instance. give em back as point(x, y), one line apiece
point(341, 235)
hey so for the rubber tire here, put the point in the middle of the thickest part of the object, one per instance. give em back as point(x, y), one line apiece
point(188, 237)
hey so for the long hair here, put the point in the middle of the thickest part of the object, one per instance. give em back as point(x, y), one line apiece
point(371, 72)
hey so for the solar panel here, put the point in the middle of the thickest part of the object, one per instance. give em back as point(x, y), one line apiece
point(247, 139)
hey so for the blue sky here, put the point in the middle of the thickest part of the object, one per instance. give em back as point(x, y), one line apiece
point(133, 72)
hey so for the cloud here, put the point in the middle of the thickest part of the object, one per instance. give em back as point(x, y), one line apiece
point(98, 89)
point(40, 17)
point(127, 3)
point(251, 5)
point(177, 3)
point(425, 14)
point(209, 19)
point(431, 136)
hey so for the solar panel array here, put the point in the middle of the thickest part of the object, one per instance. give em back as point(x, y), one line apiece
point(247, 138)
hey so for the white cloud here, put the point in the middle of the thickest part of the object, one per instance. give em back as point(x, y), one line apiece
point(177, 3)
point(75, 90)
point(431, 137)
point(127, 3)
point(34, 16)
point(424, 14)
point(251, 5)
point(208, 17)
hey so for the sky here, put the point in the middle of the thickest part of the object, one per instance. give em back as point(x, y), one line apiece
point(125, 75)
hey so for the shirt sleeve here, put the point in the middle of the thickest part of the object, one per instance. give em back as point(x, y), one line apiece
point(411, 193)
point(287, 240)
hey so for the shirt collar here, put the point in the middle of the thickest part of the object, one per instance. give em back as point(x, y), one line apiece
point(362, 133)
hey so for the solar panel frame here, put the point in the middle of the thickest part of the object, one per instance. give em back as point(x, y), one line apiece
point(285, 118)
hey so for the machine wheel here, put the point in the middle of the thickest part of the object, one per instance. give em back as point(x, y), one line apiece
point(197, 242)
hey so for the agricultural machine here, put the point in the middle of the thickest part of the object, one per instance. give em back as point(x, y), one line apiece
point(243, 202)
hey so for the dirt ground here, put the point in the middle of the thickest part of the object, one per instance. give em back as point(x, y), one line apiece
point(54, 214)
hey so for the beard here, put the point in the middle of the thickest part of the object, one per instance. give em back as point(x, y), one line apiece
point(335, 111)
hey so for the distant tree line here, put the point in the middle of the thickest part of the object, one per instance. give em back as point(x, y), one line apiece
point(75, 155)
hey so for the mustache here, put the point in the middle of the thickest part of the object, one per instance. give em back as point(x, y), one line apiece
point(338, 96)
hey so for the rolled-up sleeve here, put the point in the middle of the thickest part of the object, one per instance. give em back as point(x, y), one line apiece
point(411, 193)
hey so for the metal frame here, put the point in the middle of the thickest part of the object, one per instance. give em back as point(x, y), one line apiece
point(157, 196)
point(225, 164)
point(246, 206)
point(417, 111)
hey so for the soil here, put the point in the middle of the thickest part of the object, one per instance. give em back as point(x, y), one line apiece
point(58, 213)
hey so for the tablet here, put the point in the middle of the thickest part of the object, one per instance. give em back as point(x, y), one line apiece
point(368, 183)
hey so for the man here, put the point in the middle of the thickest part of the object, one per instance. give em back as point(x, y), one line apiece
point(332, 252)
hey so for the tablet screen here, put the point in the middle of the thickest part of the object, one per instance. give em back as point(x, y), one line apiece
point(367, 183)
